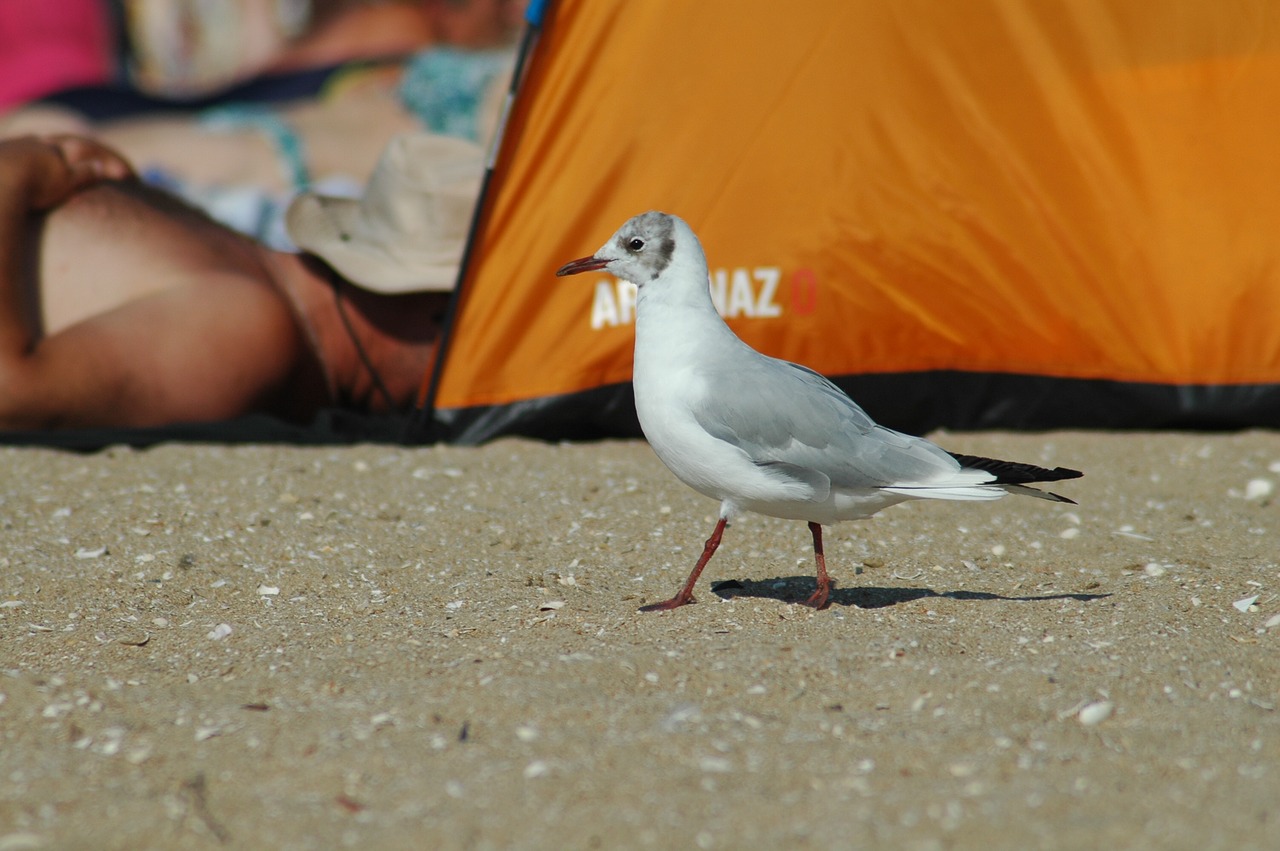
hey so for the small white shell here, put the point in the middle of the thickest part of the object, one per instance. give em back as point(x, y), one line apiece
point(1246, 604)
point(1258, 489)
point(1092, 714)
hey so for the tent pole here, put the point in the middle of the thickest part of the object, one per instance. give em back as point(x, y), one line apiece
point(422, 426)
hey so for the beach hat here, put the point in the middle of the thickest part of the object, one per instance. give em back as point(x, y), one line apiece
point(406, 234)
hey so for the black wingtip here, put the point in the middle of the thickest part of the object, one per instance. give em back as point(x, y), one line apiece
point(1015, 472)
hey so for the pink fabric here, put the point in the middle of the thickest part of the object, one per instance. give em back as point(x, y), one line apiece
point(47, 45)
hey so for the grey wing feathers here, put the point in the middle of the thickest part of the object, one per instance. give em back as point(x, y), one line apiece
point(780, 414)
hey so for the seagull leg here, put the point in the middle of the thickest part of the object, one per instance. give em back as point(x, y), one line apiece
point(686, 593)
point(820, 599)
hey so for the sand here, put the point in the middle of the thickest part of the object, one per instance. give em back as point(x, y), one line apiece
point(381, 647)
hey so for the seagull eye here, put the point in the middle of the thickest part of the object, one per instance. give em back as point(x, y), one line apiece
point(636, 243)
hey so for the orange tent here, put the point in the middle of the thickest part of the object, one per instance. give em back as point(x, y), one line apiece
point(984, 214)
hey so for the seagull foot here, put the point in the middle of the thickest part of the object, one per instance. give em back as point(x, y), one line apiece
point(674, 603)
point(820, 599)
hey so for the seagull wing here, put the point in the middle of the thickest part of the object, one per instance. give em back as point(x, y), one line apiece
point(792, 420)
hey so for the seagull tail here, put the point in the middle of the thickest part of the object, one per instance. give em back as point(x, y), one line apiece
point(962, 492)
point(1038, 494)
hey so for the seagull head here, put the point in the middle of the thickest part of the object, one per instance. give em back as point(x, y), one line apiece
point(642, 249)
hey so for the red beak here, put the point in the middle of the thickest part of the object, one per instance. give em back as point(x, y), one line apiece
point(586, 264)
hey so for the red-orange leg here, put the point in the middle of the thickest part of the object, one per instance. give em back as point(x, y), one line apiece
point(686, 593)
point(821, 598)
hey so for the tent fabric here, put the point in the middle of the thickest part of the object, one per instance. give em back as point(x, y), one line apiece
point(989, 213)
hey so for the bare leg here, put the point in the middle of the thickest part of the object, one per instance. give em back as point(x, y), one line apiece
point(686, 593)
point(820, 599)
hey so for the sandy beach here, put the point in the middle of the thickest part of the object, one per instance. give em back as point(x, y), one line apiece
point(206, 646)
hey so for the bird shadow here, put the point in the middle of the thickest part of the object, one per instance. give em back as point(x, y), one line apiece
point(795, 589)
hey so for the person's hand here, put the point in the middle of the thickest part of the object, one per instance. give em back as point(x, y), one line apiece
point(52, 168)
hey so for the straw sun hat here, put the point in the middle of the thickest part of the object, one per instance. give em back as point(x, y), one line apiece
point(406, 234)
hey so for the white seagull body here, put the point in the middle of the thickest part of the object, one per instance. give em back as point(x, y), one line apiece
point(761, 434)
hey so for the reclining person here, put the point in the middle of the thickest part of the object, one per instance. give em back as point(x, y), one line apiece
point(121, 306)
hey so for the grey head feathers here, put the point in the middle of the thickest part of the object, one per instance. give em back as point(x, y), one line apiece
point(645, 245)
point(640, 251)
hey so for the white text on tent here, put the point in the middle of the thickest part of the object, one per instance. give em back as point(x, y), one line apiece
point(737, 292)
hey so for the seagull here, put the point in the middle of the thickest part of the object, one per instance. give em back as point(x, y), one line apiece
point(761, 434)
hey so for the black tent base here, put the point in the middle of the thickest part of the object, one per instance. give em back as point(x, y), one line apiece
point(330, 427)
point(915, 403)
